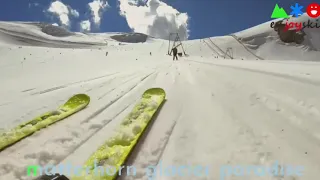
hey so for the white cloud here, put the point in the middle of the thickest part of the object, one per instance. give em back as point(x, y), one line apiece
point(97, 7)
point(63, 12)
point(156, 19)
point(55, 24)
point(85, 26)
point(74, 12)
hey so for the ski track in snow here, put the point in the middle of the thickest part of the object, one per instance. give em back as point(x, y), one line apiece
point(217, 111)
point(226, 104)
point(251, 123)
point(76, 134)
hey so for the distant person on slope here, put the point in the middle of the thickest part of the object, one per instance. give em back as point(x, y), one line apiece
point(175, 52)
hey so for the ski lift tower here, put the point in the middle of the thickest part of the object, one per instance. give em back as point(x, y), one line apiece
point(176, 40)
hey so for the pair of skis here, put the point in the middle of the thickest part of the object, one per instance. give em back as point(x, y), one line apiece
point(114, 151)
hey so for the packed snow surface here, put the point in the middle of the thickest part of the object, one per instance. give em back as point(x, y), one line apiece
point(256, 104)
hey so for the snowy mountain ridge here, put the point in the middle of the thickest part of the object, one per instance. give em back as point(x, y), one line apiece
point(261, 41)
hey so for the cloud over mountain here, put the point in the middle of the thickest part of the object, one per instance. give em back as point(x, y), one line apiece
point(154, 18)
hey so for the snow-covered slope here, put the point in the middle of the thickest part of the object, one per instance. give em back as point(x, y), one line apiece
point(47, 35)
point(218, 111)
point(264, 41)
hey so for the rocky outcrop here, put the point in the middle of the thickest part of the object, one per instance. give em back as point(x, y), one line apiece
point(131, 38)
point(53, 30)
point(288, 36)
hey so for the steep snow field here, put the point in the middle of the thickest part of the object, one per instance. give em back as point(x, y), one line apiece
point(259, 107)
point(264, 41)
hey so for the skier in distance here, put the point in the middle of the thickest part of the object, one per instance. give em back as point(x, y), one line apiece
point(175, 52)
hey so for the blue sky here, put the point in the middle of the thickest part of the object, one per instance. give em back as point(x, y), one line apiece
point(206, 17)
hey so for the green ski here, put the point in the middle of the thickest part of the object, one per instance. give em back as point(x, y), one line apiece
point(73, 105)
point(116, 150)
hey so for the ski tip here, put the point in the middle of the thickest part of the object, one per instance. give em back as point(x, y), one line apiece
point(77, 100)
point(155, 91)
point(80, 97)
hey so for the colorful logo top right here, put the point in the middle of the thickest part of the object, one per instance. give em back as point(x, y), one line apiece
point(313, 11)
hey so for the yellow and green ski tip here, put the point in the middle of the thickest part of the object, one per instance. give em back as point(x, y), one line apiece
point(116, 150)
point(73, 105)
